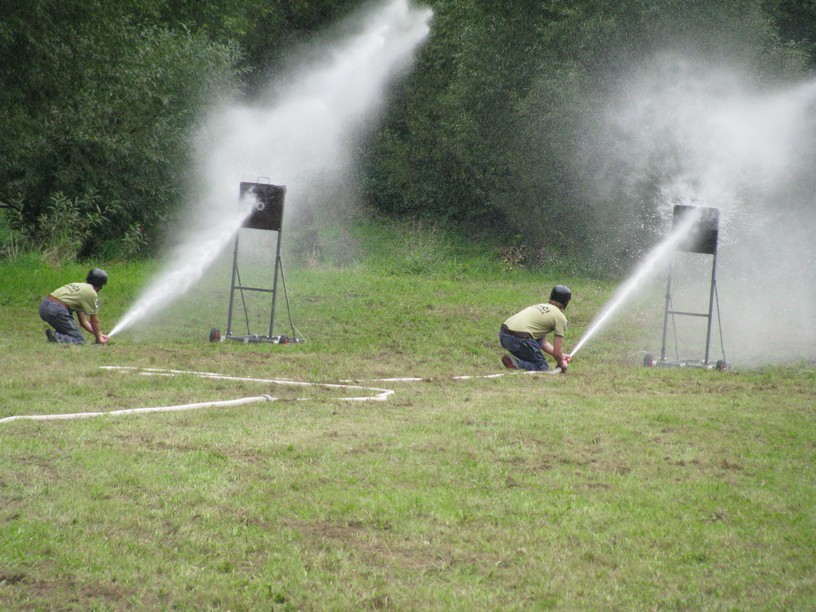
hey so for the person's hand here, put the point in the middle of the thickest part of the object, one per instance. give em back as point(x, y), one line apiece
point(568, 358)
point(103, 339)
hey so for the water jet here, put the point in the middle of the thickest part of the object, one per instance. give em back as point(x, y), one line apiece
point(302, 134)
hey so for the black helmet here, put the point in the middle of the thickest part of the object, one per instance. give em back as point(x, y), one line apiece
point(562, 294)
point(97, 277)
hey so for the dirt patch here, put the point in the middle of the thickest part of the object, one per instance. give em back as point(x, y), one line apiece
point(377, 545)
point(61, 592)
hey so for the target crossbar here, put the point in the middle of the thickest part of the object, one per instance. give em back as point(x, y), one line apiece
point(259, 289)
point(688, 314)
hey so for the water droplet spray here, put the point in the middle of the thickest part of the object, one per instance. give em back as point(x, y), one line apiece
point(653, 263)
point(685, 131)
point(301, 136)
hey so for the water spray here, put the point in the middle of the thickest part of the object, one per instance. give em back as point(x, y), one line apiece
point(167, 287)
point(686, 130)
point(303, 135)
point(652, 263)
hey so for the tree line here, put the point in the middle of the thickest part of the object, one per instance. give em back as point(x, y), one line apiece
point(98, 99)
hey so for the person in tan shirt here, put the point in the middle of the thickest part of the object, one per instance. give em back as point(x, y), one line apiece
point(57, 310)
point(525, 334)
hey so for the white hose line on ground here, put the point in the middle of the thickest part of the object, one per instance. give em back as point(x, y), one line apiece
point(459, 377)
point(87, 415)
point(379, 393)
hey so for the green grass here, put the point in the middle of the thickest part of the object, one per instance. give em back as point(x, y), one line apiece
point(614, 486)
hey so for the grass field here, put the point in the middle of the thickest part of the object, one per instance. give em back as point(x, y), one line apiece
point(613, 486)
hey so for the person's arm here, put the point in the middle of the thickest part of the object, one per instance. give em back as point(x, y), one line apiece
point(83, 322)
point(556, 349)
point(92, 326)
point(558, 352)
point(97, 330)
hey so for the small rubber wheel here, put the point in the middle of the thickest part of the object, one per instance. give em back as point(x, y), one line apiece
point(721, 366)
point(648, 360)
point(215, 335)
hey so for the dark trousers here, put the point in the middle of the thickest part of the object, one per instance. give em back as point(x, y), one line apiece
point(62, 320)
point(526, 350)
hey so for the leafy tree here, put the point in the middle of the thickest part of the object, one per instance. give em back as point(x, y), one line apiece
point(627, 41)
point(496, 128)
point(493, 125)
point(442, 149)
point(796, 22)
point(95, 105)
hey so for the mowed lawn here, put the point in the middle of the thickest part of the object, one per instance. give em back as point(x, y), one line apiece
point(463, 487)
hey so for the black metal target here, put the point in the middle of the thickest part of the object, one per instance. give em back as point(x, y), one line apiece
point(267, 206)
point(702, 238)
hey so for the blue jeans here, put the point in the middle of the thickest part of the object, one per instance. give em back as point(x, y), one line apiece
point(61, 319)
point(526, 350)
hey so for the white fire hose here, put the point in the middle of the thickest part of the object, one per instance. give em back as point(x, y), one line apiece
point(378, 394)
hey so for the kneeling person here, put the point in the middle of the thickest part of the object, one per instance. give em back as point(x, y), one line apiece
point(525, 334)
point(58, 307)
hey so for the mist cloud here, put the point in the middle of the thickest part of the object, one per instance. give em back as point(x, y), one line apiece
point(689, 132)
point(301, 135)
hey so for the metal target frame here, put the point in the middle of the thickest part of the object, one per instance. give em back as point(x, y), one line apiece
point(267, 215)
point(702, 239)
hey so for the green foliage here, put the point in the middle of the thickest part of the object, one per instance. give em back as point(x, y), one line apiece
point(99, 100)
point(59, 231)
point(11, 239)
point(66, 225)
point(97, 103)
point(271, 29)
point(489, 127)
